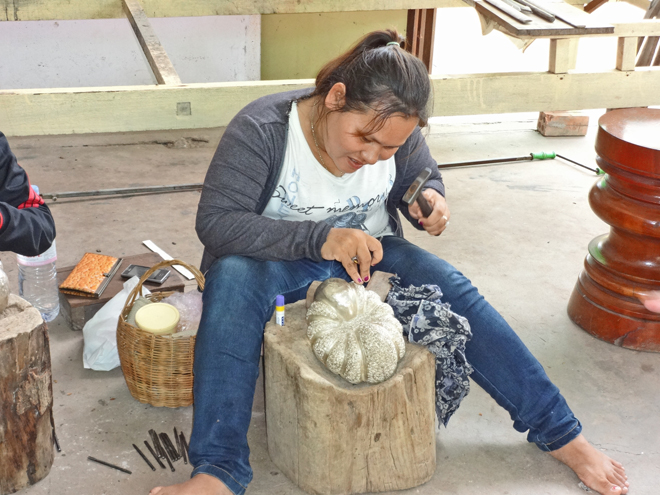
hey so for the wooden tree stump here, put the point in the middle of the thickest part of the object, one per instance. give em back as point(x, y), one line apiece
point(26, 397)
point(331, 437)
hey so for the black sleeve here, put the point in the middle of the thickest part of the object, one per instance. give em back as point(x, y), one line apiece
point(412, 158)
point(26, 224)
point(227, 222)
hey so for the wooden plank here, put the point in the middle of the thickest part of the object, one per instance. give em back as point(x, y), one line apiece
point(160, 63)
point(140, 108)
point(41, 10)
point(653, 11)
point(626, 53)
point(642, 4)
point(412, 31)
point(420, 35)
point(530, 92)
point(429, 38)
point(593, 5)
point(647, 27)
point(133, 108)
point(542, 28)
point(646, 55)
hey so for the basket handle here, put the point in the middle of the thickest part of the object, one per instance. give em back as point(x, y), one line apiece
point(137, 290)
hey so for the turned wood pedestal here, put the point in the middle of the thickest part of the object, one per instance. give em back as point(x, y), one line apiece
point(26, 397)
point(623, 266)
point(331, 437)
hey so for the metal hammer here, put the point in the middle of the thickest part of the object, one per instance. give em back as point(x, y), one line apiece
point(414, 192)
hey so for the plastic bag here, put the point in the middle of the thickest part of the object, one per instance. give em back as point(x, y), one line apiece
point(100, 333)
point(189, 305)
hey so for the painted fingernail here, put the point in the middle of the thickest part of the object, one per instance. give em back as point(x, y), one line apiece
point(359, 280)
point(366, 279)
point(421, 223)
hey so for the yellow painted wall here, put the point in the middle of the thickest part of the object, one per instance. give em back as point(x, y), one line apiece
point(296, 46)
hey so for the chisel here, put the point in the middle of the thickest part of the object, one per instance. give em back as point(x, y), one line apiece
point(531, 4)
point(518, 16)
point(518, 6)
point(538, 11)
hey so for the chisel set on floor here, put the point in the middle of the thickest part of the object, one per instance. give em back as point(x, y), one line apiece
point(163, 448)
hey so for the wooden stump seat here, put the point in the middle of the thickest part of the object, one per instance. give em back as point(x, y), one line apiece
point(26, 397)
point(331, 437)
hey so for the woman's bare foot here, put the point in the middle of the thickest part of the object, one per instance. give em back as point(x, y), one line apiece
point(200, 484)
point(595, 469)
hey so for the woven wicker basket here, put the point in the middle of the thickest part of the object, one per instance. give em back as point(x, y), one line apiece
point(158, 369)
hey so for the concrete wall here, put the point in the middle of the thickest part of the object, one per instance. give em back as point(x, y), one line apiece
point(296, 46)
point(105, 52)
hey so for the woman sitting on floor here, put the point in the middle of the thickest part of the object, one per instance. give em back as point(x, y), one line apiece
point(302, 182)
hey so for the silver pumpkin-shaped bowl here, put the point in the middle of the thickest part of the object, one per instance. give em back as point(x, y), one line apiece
point(354, 333)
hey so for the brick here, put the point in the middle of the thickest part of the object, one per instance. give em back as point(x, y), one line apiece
point(562, 124)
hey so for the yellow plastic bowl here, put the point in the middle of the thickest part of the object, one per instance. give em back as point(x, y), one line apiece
point(158, 318)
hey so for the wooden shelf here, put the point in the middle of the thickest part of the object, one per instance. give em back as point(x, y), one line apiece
point(542, 28)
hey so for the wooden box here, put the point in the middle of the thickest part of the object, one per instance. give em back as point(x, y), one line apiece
point(79, 310)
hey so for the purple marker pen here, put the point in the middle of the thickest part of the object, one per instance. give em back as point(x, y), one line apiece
point(279, 310)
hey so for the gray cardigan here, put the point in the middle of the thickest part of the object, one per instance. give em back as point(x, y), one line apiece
point(244, 173)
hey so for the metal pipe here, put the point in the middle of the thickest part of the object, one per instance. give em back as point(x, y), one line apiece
point(530, 157)
point(596, 170)
point(125, 190)
point(525, 158)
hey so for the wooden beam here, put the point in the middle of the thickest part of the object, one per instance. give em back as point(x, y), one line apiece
point(626, 53)
point(642, 4)
point(646, 54)
point(531, 92)
point(160, 63)
point(420, 35)
point(140, 108)
point(563, 55)
point(648, 27)
point(593, 5)
point(45, 10)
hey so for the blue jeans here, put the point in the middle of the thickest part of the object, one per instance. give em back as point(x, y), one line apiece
point(239, 298)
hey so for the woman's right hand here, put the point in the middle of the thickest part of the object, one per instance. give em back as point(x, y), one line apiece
point(344, 244)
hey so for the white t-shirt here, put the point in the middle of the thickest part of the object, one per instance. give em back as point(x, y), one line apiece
point(307, 191)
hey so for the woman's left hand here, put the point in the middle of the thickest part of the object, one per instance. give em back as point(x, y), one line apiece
point(437, 221)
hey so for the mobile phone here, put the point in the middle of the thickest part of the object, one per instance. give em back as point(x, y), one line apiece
point(158, 277)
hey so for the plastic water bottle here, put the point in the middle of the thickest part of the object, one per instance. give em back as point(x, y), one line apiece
point(37, 281)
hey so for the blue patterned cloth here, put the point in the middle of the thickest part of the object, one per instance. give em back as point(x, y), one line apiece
point(427, 321)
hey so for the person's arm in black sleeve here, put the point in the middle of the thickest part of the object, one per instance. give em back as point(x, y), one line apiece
point(415, 156)
point(227, 222)
point(26, 224)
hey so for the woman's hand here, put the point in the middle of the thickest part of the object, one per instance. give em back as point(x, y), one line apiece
point(437, 221)
point(344, 245)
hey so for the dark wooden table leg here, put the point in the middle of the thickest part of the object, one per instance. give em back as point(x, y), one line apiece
point(623, 267)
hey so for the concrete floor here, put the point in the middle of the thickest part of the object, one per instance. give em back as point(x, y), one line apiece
point(519, 231)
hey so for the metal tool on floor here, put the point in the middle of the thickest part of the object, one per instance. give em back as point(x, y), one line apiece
point(524, 158)
point(125, 191)
point(99, 461)
point(165, 449)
